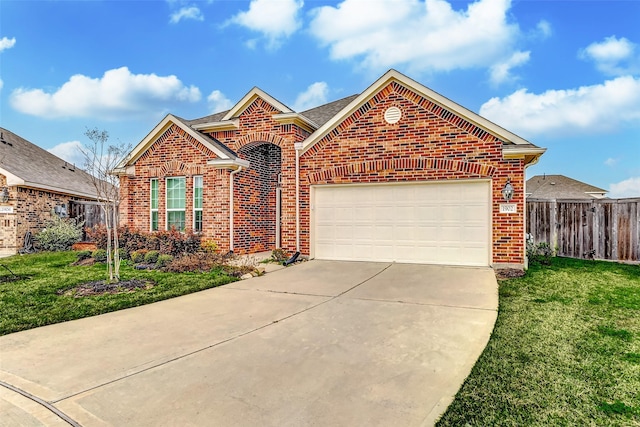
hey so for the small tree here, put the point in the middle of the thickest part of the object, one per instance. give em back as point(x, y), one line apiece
point(100, 159)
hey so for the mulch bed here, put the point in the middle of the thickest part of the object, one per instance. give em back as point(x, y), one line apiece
point(101, 287)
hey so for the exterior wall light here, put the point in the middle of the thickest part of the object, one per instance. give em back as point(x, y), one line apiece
point(4, 195)
point(507, 191)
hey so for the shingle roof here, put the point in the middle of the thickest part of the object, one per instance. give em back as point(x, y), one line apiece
point(41, 169)
point(323, 113)
point(550, 187)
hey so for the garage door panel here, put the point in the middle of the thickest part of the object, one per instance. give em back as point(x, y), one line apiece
point(446, 223)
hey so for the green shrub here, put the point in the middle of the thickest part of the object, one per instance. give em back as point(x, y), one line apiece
point(209, 245)
point(81, 255)
point(100, 255)
point(540, 253)
point(138, 256)
point(151, 257)
point(163, 260)
point(123, 253)
point(59, 234)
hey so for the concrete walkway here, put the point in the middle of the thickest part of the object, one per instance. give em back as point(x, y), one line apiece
point(320, 343)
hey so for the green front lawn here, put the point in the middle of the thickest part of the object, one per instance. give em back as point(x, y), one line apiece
point(34, 300)
point(565, 351)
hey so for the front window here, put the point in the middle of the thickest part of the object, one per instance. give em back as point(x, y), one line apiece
point(176, 199)
point(197, 203)
point(154, 204)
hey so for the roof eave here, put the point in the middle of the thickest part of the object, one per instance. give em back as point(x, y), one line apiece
point(223, 125)
point(298, 120)
point(229, 163)
point(148, 140)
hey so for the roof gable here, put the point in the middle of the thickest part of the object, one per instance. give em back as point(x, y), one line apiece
point(249, 98)
point(26, 164)
point(216, 147)
point(444, 105)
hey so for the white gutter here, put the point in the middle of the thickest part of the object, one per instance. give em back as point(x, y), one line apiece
point(231, 206)
point(298, 146)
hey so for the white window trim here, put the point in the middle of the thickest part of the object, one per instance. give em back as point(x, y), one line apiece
point(166, 200)
point(151, 209)
point(194, 200)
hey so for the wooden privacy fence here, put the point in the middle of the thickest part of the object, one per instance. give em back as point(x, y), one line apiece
point(87, 211)
point(589, 229)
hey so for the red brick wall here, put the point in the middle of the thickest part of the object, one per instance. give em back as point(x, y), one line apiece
point(427, 144)
point(268, 144)
point(259, 128)
point(177, 154)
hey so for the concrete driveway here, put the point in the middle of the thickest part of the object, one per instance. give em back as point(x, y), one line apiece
point(320, 343)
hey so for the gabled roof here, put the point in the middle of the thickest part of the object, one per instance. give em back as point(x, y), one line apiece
point(552, 187)
point(27, 165)
point(523, 148)
point(212, 144)
point(249, 98)
point(323, 113)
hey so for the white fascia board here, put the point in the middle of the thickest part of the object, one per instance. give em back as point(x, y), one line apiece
point(158, 130)
point(229, 163)
point(12, 179)
point(51, 188)
point(249, 98)
point(296, 119)
point(393, 75)
point(219, 126)
point(513, 151)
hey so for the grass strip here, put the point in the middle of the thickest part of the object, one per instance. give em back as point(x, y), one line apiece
point(564, 351)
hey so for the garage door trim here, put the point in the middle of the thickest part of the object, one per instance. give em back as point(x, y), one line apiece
point(489, 218)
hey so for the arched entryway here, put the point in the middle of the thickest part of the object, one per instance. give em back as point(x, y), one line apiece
point(257, 196)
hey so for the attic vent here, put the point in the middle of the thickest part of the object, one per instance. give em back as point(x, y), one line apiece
point(392, 115)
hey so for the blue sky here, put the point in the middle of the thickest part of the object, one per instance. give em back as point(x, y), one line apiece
point(564, 75)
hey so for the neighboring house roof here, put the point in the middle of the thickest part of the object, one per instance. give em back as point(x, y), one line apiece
point(551, 187)
point(27, 165)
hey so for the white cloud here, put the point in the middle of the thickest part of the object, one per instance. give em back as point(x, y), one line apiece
point(611, 162)
point(501, 72)
point(1, 84)
point(543, 29)
point(613, 56)
point(70, 151)
point(7, 43)
point(275, 19)
point(627, 188)
point(316, 94)
point(218, 102)
point(117, 94)
point(425, 35)
point(191, 12)
point(594, 108)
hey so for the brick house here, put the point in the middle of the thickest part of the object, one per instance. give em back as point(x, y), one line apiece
point(396, 173)
point(34, 185)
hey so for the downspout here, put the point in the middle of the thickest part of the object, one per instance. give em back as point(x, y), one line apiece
point(298, 147)
point(231, 206)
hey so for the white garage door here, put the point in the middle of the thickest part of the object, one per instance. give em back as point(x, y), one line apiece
point(440, 223)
